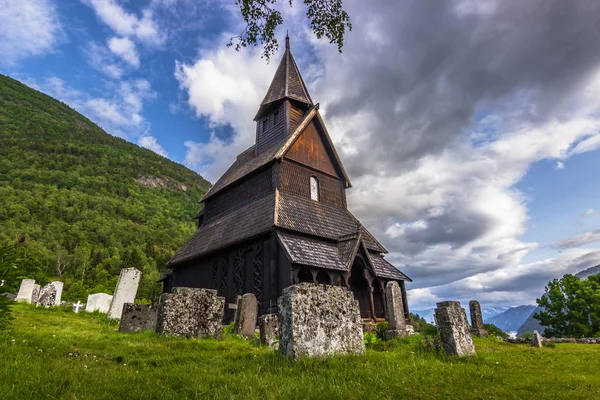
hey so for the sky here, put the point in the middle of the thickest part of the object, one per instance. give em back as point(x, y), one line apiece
point(470, 130)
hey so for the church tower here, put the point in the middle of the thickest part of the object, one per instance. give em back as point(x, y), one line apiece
point(278, 215)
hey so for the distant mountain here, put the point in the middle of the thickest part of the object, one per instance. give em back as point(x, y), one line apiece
point(511, 319)
point(88, 203)
point(532, 324)
point(487, 313)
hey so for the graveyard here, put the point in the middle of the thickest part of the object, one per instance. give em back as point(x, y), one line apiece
point(55, 353)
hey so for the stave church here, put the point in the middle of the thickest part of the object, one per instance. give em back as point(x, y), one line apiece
point(278, 216)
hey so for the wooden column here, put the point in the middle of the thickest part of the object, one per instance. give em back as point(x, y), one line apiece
point(371, 300)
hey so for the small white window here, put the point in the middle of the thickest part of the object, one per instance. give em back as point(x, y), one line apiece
point(314, 188)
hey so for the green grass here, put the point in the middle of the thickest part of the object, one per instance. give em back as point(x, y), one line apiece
point(58, 354)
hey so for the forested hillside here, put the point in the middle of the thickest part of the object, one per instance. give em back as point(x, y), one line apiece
point(87, 203)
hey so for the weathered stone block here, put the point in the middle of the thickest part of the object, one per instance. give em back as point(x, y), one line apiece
point(125, 292)
point(453, 327)
point(536, 339)
point(395, 306)
point(138, 318)
point(268, 325)
point(59, 289)
point(246, 314)
point(319, 320)
point(36, 293)
point(477, 327)
point(47, 296)
point(98, 301)
point(190, 312)
point(25, 292)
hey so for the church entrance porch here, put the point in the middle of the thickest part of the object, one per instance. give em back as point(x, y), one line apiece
point(359, 285)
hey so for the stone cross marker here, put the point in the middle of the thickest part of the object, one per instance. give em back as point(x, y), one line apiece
point(98, 301)
point(190, 312)
point(25, 292)
point(395, 310)
point(536, 339)
point(268, 330)
point(246, 314)
point(125, 292)
point(453, 326)
point(319, 320)
point(77, 306)
point(477, 327)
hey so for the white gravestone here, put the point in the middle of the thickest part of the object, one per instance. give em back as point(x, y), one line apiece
point(125, 291)
point(26, 290)
point(76, 307)
point(98, 301)
point(36, 293)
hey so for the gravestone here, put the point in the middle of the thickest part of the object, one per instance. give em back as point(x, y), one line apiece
point(125, 292)
point(246, 314)
point(59, 289)
point(536, 339)
point(77, 306)
point(25, 292)
point(36, 293)
point(138, 317)
point(319, 320)
point(98, 301)
point(190, 312)
point(452, 324)
point(268, 324)
point(47, 296)
point(477, 327)
point(395, 310)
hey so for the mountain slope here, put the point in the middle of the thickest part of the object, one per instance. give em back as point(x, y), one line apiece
point(511, 319)
point(87, 202)
point(532, 324)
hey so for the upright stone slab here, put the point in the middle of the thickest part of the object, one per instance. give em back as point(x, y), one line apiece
point(536, 339)
point(395, 310)
point(98, 301)
point(125, 292)
point(453, 327)
point(247, 313)
point(36, 293)
point(47, 296)
point(268, 325)
point(319, 320)
point(190, 312)
point(59, 289)
point(477, 327)
point(138, 317)
point(25, 292)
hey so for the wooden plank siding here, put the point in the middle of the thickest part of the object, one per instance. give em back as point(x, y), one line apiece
point(310, 150)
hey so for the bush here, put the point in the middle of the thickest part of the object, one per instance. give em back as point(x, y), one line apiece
point(381, 329)
point(5, 310)
point(370, 338)
point(495, 331)
point(430, 330)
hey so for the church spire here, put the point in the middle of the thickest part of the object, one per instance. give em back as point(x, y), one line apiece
point(287, 82)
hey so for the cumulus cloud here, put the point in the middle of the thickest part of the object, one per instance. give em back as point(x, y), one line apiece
point(590, 211)
point(579, 240)
point(117, 113)
point(437, 111)
point(151, 143)
point(559, 165)
point(27, 28)
point(125, 23)
point(124, 48)
point(226, 87)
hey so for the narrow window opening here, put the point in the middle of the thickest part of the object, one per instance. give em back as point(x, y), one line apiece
point(314, 188)
point(265, 125)
point(276, 118)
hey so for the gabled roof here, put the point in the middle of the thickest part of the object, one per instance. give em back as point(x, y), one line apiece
point(248, 162)
point(287, 82)
point(386, 270)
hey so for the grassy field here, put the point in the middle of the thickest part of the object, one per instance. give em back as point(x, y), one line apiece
point(52, 354)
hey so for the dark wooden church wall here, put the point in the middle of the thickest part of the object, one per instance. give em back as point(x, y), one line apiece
point(275, 131)
point(295, 112)
point(310, 150)
point(253, 187)
point(296, 180)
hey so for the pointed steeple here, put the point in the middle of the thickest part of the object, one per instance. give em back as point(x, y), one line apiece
point(287, 82)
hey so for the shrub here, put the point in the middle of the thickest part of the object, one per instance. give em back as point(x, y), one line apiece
point(381, 328)
point(370, 338)
point(5, 310)
point(430, 330)
point(495, 331)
